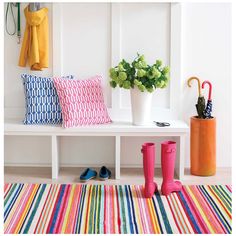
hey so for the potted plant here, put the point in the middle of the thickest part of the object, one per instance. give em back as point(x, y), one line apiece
point(203, 135)
point(142, 80)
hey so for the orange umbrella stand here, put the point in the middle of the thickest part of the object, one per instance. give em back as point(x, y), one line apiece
point(203, 146)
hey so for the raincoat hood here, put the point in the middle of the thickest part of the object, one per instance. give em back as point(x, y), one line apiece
point(35, 18)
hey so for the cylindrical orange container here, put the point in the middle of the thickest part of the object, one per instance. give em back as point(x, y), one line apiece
point(203, 146)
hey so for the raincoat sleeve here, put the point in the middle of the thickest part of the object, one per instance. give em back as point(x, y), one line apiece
point(24, 48)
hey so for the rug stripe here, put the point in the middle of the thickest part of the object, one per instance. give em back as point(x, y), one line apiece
point(212, 214)
point(224, 196)
point(66, 223)
point(137, 212)
point(205, 208)
point(26, 209)
point(39, 221)
point(44, 219)
point(80, 209)
point(30, 220)
point(177, 218)
point(217, 206)
point(229, 188)
point(118, 210)
point(53, 220)
point(11, 209)
point(98, 210)
point(92, 211)
point(122, 209)
point(220, 200)
point(102, 211)
point(8, 190)
point(195, 211)
point(29, 210)
point(19, 205)
point(214, 206)
point(183, 216)
point(168, 229)
point(11, 199)
point(131, 225)
point(201, 211)
point(115, 209)
point(133, 210)
point(141, 208)
point(189, 213)
point(39, 209)
point(95, 209)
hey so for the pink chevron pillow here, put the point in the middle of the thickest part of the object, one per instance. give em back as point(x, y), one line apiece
point(81, 101)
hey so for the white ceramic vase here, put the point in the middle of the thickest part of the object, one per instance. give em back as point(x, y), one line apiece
point(141, 106)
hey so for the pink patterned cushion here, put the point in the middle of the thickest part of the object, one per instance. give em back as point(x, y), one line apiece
point(81, 101)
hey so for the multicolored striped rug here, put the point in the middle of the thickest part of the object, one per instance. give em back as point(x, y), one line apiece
point(76, 208)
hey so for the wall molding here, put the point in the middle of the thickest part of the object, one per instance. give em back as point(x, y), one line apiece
point(57, 56)
point(117, 112)
point(176, 58)
point(115, 48)
point(175, 64)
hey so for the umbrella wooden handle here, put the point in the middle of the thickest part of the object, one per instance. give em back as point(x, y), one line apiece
point(199, 84)
point(210, 88)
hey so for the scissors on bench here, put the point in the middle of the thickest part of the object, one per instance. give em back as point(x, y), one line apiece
point(161, 124)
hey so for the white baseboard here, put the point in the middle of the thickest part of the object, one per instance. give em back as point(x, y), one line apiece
point(27, 165)
point(88, 165)
point(72, 165)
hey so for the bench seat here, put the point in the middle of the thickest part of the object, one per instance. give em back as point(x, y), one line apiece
point(177, 129)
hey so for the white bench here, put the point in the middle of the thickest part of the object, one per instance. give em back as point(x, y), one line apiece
point(116, 129)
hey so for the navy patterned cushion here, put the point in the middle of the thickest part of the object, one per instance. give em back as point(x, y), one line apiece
point(42, 103)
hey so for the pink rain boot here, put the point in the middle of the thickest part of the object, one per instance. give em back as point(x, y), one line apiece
point(148, 150)
point(168, 151)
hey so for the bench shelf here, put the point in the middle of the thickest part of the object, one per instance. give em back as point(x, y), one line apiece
point(177, 129)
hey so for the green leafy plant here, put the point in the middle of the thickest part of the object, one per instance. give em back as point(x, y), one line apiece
point(140, 74)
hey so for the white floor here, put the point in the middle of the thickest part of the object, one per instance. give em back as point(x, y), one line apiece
point(128, 176)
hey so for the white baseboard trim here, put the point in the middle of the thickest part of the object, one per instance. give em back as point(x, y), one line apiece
point(27, 165)
point(73, 165)
point(89, 165)
point(107, 165)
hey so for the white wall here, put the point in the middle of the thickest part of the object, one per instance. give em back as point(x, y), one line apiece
point(207, 55)
point(88, 47)
point(14, 101)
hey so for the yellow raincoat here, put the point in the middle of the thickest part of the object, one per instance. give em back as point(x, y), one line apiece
point(35, 43)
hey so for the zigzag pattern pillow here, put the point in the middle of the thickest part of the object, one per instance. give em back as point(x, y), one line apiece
point(42, 103)
point(81, 102)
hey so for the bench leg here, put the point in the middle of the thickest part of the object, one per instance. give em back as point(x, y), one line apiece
point(180, 157)
point(55, 157)
point(117, 158)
